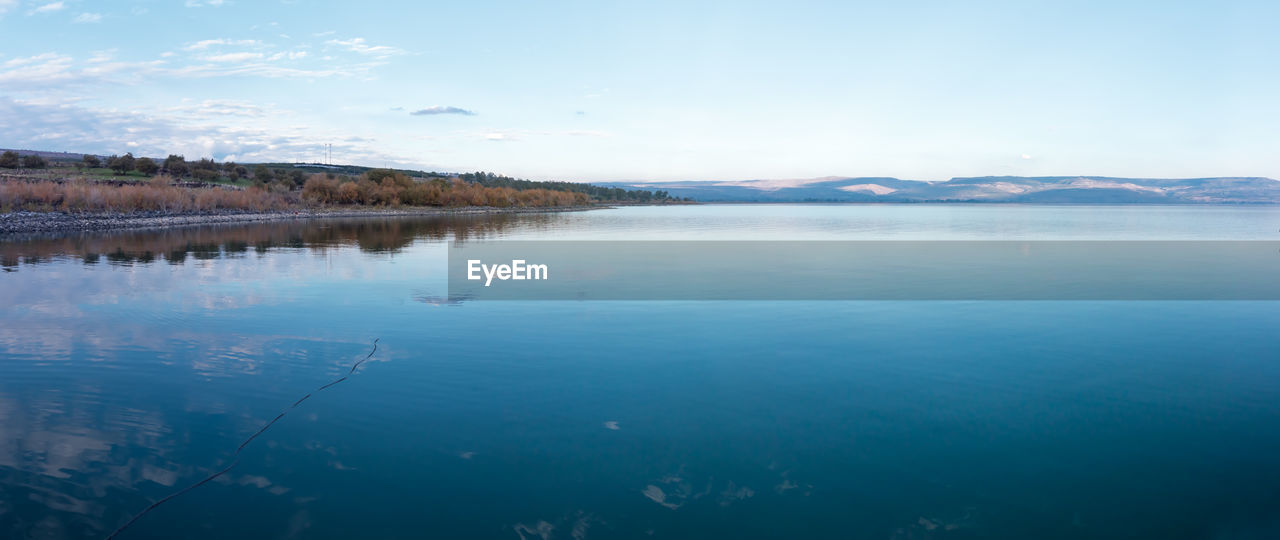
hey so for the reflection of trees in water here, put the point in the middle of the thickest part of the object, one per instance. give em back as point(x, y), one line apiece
point(371, 235)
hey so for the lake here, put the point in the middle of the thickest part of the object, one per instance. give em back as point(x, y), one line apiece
point(133, 363)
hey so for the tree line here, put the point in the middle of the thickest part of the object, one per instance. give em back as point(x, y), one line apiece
point(11, 160)
point(383, 187)
point(367, 185)
point(176, 166)
point(600, 193)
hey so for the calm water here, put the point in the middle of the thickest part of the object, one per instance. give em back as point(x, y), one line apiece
point(133, 364)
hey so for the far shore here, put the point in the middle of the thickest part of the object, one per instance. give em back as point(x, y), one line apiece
point(55, 222)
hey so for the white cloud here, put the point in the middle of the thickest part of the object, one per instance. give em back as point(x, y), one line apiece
point(85, 18)
point(1026, 156)
point(52, 69)
point(203, 3)
point(47, 8)
point(220, 57)
point(6, 5)
point(360, 46)
point(103, 69)
point(214, 128)
point(37, 70)
point(261, 69)
point(211, 108)
point(291, 55)
point(205, 44)
point(33, 59)
point(232, 57)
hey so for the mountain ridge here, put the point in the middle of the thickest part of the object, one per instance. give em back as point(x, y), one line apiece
point(1078, 189)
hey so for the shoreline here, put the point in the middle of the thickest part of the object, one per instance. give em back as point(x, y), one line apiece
point(60, 222)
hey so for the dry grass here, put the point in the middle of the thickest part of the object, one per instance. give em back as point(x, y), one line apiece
point(156, 196)
point(160, 195)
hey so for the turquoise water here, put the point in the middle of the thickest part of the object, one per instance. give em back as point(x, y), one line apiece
point(132, 364)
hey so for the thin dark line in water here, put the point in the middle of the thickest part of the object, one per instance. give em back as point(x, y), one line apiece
point(235, 457)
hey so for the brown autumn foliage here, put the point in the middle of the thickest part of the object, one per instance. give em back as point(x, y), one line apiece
point(397, 189)
point(377, 188)
point(157, 195)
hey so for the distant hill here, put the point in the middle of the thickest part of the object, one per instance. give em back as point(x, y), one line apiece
point(280, 170)
point(978, 189)
point(993, 189)
point(60, 156)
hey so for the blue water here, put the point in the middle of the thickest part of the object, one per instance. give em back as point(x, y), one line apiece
point(133, 363)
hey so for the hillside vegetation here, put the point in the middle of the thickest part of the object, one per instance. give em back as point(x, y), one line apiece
point(123, 183)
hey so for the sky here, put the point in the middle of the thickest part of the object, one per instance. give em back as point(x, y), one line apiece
point(625, 91)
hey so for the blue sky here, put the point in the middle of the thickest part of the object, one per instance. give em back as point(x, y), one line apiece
point(599, 91)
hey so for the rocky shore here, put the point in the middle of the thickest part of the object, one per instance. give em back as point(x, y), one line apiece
point(29, 222)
